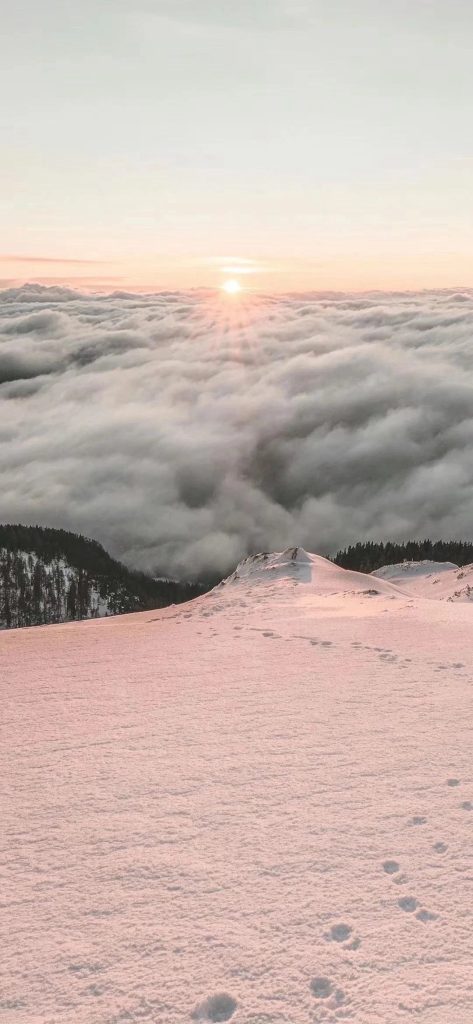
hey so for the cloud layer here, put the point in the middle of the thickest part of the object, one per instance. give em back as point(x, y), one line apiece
point(184, 430)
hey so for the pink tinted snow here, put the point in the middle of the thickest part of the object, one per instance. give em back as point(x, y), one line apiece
point(255, 807)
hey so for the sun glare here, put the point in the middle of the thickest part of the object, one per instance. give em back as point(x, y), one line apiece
point(232, 286)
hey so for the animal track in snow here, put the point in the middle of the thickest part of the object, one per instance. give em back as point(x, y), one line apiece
point(453, 782)
point(219, 1007)
point(417, 820)
point(321, 988)
point(340, 932)
point(314, 640)
point(426, 915)
point(467, 805)
point(408, 904)
point(339, 996)
point(324, 989)
point(392, 868)
point(440, 847)
point(84, 970)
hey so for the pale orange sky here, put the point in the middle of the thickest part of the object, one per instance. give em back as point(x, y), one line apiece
point(343, 273)
point(149, 145)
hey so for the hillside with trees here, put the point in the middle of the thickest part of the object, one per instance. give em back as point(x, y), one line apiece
point(368, 556)
point(49, 575)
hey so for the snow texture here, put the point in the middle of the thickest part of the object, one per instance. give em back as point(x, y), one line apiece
point(451, 582)
point(254, 807)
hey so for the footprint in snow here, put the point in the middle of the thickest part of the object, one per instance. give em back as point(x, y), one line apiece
point(426, 915)
point(321, 988)
point(324, 988)
point(408, 904)
point(219, 1007)
point(467, 805)
point(342, 933)
point(453, 782)
point(391, 867)
point(440, 847)
point(417, 820)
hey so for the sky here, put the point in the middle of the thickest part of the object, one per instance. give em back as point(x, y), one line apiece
point(295, 145)
point(184, 430)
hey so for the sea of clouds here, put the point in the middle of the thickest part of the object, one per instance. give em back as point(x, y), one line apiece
point(184, 430)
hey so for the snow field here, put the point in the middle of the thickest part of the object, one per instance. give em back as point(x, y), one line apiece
point(255, 807)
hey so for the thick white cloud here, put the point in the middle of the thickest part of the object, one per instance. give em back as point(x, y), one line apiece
point(183, 433)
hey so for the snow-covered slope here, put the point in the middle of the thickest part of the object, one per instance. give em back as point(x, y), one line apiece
point(406, 571)
point(438, 581)
point(295, 565)
point(254, 807)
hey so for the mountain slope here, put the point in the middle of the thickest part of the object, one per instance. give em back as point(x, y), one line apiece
point(50, 576)
point(438, 581)
point(295, 565)
point(255, 807)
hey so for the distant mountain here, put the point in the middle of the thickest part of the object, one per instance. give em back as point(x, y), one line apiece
point(438, 581)
point(369, 556)
point(49, 575)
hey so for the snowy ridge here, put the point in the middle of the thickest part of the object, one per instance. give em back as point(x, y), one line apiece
point(293, 563)
point(297, 566)
point(437, 581)
point(409, 570)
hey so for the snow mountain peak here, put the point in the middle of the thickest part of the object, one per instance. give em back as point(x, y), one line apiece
point(292, 563)
point(281, 571)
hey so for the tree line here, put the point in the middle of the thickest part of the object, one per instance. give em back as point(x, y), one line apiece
point(370, 555)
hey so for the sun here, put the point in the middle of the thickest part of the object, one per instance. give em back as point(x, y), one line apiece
point(232, 286)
